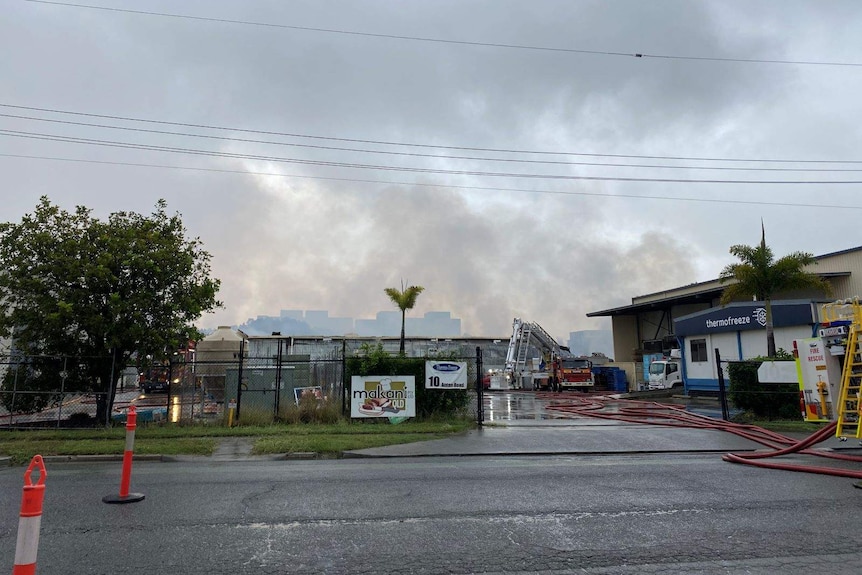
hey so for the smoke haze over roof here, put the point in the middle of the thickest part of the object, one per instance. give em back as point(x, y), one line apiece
point(332, 235)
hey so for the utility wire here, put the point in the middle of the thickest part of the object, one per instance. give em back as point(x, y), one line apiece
point(418, 145)
point(433, 185)
point(445, 41)
point(419, 155)
point(190, 151)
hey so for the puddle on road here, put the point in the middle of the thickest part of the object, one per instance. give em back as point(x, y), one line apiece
point(509, 406)
point(530, 406)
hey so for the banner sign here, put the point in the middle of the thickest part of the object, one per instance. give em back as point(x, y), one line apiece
point(445, 375)
point(383, 396)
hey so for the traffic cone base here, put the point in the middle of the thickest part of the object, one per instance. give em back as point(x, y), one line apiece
point(130, 498)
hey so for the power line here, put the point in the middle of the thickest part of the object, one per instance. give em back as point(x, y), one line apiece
point(419, 155)
point(191, 151)
point(433, 185)
point(453, 42)
point(419, 145)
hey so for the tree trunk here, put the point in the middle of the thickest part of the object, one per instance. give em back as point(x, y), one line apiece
point(108, 377)
point(401, 347)
point(770, 334)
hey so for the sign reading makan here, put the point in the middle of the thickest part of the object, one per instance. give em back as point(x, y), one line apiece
point(445, 374)
point(383, 396)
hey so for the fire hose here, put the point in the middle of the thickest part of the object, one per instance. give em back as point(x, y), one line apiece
point(668, 415)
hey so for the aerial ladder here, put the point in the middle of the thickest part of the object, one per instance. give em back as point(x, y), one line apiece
point(527, 335)
point(850, 395)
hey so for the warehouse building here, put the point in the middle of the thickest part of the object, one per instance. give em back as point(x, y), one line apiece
point(690, 318)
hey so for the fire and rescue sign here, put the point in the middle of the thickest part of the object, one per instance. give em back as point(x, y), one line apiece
point(383, 396)
point(445, 375)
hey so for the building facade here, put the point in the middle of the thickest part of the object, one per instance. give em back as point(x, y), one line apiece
point(654, 324)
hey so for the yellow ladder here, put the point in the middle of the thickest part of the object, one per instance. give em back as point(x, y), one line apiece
point(849, 405)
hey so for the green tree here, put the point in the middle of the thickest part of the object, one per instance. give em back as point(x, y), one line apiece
point(404, 299)
point(98, 291)
point(759, 275)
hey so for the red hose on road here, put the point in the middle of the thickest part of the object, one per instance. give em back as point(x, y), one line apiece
point(654, 413)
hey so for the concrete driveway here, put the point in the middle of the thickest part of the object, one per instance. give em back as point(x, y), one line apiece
point(520, 423)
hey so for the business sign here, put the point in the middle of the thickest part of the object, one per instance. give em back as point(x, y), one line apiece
point(734, 320)
point(445, 375)
point(382, 396)
point(834, 331)
point(744, 317)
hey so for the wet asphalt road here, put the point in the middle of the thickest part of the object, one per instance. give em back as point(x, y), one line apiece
point(554, 495)
point(661, 513)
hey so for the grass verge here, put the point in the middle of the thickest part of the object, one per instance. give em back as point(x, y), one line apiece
point(786, 425)
point(334, 444)
point(201, 440)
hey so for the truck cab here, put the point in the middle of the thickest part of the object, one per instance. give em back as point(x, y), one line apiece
point(575, 373)
point(665, 374)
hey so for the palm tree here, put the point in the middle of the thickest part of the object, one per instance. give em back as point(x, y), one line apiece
point(758, 274)
point(405, 299)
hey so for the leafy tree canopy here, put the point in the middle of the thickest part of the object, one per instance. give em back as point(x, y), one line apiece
point(100, 291)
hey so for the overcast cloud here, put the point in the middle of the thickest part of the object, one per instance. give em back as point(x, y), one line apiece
point(550, 252)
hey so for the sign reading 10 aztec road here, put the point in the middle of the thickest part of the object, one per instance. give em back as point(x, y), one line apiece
point(383, 396)
point(445, 374)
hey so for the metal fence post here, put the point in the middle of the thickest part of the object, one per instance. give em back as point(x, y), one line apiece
point(62, 391)
point(722, 395)
point(239, 377)
point(344, 376)
point(480, 399)
point(277, 398)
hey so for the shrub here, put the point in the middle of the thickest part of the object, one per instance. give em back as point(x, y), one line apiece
point(312, 409)
point(763, 400)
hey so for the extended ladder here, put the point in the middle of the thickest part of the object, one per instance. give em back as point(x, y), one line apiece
point(524, 346)
point(849, 404)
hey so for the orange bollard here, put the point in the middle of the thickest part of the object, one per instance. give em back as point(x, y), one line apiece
point(126, 479)
point(30, 520)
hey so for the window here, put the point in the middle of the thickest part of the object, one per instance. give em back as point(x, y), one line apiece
point(698, 350)
point(672, 368)
point(656, 368)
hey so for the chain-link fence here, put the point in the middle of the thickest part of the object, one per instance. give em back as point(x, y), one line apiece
point(261, 384)
point(44, 392)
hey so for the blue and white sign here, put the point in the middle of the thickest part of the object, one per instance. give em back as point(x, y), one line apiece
point(744, 317)
point(445, 374)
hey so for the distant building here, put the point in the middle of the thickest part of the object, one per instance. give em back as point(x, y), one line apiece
point(214, 355)
point(386, 323)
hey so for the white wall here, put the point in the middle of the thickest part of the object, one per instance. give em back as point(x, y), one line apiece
point(753, 345)
point(754, 342)
point(727, 347)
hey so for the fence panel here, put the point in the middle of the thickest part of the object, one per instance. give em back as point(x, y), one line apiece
point(263, 389)
point(40, 392)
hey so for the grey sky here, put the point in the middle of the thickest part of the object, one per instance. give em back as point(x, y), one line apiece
point(550, 253)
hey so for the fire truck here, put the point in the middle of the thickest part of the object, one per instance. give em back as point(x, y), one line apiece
point(535, 360)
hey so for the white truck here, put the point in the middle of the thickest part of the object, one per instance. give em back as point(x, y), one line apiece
point(666, 373)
